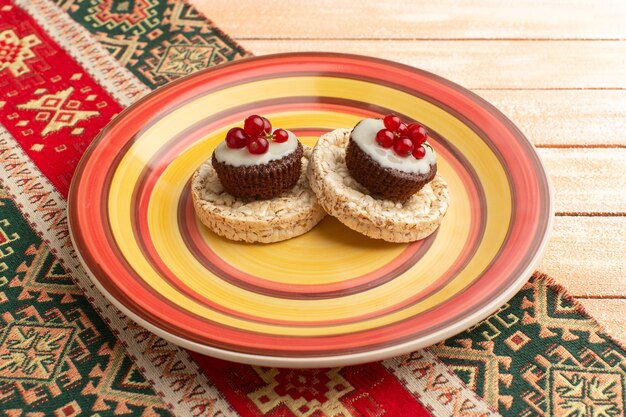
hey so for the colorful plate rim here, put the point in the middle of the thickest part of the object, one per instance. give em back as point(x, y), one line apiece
point(334, 360)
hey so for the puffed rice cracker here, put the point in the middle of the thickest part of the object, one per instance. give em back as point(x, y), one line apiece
point(344, 198)
point(288, 215)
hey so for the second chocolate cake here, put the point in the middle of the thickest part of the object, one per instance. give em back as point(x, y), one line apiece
point(391, 167)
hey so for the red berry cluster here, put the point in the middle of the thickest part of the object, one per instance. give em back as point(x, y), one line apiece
point(255, 135)
point(404, 139)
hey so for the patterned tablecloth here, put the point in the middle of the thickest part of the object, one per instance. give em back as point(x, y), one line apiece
point(66, 68)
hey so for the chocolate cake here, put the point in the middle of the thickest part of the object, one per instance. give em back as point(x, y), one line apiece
point(262, 181)
point(385, 182)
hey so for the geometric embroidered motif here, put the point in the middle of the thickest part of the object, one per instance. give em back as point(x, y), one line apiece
point(5, 249)
point(185, 59)
point(71, 409)
point(305, 392)
point(158, 41)
point(123, 50)
point(540, 355)
point(517, 340)
point(181, 53)
point(120, 379)
point(33, 352)
point(43, 277)
point(436, 383)
point(6, 237)
point(352, 391)
point(478, 367)
point(586, 392)
point(58, 111)
point(135, 16)
point(14, 51)
point(184, 14)
point(57, 356)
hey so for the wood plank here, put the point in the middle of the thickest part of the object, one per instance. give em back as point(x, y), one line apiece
point(565, 117)
point(487, 64)
point(610, 314)
point(586, 255)
point(591, 181)
point(410, 19)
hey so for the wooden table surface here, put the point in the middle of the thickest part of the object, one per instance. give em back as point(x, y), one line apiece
point(557, 69)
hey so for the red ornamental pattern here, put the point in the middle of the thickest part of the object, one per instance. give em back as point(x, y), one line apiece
point(359, 391)
point(47, 101)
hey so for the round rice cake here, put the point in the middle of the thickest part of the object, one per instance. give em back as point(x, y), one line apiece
point(347, 200)
point(287, 215)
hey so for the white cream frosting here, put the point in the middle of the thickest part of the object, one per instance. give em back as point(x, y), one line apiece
point(364, 135)
point(242, 157)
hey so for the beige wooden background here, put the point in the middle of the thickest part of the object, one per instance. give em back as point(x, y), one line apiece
point(556, 68)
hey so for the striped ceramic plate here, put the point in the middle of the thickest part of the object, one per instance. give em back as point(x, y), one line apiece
point(331, 296)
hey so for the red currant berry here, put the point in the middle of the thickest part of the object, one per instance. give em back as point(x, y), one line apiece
point(402, 130)
point(281, 135)
point(236, 138)
point(403, 146)
point(417, 133)
point(253, 125)
point(392, 122)
point(267, 126)
point(419, 152)
point(257, 145)
point(385, 138)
